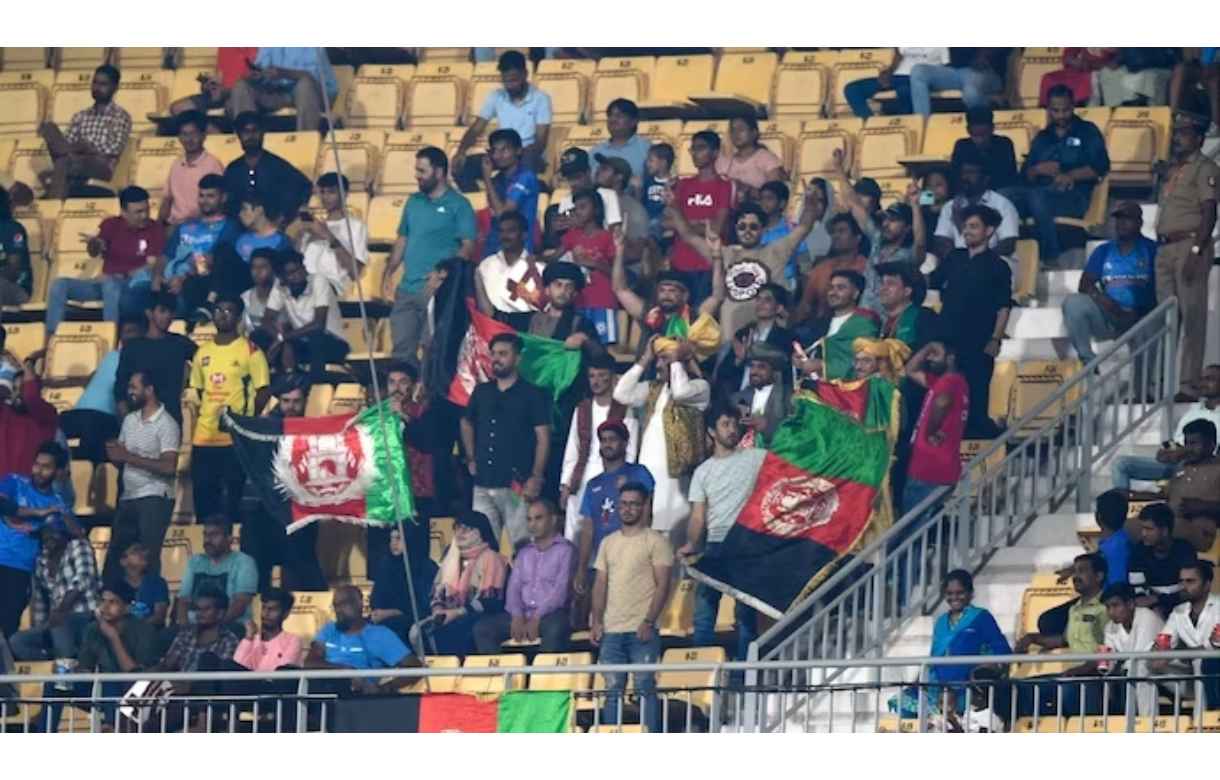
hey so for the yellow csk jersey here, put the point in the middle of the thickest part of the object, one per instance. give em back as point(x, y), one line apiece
point(226, 376)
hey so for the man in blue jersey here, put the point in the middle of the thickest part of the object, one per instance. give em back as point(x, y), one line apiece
point(190, 253)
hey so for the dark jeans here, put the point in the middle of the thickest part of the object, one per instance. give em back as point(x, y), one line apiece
point(143, 520)
point(977, 367)
point(859, 92)
point(14, 596)
point(52, 713)
point(265, 539)
point(218, 480)
point(93, 428)
point(914, 492)
point(317, 349)
point(553, 631)
point(1043, 204)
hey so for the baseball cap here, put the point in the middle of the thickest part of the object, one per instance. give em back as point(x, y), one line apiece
point(614, 425)
point(900, 211)
point(1128, 208)
point(574, 161)
point(618, 164)
point(868, 186)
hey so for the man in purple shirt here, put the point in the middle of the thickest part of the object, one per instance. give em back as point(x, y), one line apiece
point(536, 607)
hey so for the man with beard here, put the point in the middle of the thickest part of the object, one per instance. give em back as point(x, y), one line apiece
point(351, 642)
point(830, 354)
point(559, 319)
point(935, 458)
point(269, 175)
point(974, 189)
point(503, 417)
point(508, 284)
point(770, 306)
point(94, 141)
point(767, 399)
point(191, 251)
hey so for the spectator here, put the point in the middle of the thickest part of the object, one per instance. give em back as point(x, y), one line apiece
point(1114, 543)
point(338, 248)
point(901, 295)
point(976, 297)
point(582, 461)
point(94, 419)
point(254, 300)
point(976, 72)
point(231, 373)
point(1066, 161)
point(1079, 67)
point(1186, 218)
point(181, 202)
point(64, 597)
point(1141, 76)
point(391, 601)
point(507, 412)
point(880, 358)
point(509, 283)
point(614, 173)
point(657, 190)
point(749, 165)
point(539, 589)
point(219, 566)
point(998, 156)
point(127, 244)
point(469, 587)
point(195, 247)
point(267, 174)
point(147, 449)
point(846, 239)
point(27, 504)
point(209, 633)
point(27, 421)
point(591, 247)
point(401, 383)
point(303, 312)
point(96, 137)
point(16, 273)
point(624, 143)
point(829, 353)
point(975, 188)
point(510, 186)
point(298, 77)
point(719, 489)
point(1195, 82)
point(351, 642)
point(262, 231)
point(895, 76)
point(704, 200)
point(161, 355)
point(633, 581)
point(437, 222)
point(518, 106)
point(232, 65)
point(1194, 625)
point(773, 197)
point(1196, 486)
point(1157, 561)
point(576, 173)
point(267, 646)
point(671, 439)
point(767, 398)
point(770, 307)
point(1165, 464)
point(935, 459)
point(964, 629)
point(150, 592)
point(1116, 289)
point(1130, 629)
point(935, 191)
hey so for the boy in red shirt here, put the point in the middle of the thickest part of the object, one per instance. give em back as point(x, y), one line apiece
point(592, 247)
point(705, 198)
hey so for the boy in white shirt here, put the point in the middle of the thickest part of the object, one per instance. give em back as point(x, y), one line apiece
point(338, 248)
point(303, 318)
point(1131, 629)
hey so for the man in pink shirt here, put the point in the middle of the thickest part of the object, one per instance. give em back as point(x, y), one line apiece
point(182, 189)
point(270, 647)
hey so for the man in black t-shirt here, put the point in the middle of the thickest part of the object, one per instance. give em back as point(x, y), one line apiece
point(1157, 561)
point(160, 354)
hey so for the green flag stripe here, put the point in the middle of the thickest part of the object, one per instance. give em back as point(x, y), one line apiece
point(821, 440)
point(393, 473)
point(534, 712)
point(548, 364)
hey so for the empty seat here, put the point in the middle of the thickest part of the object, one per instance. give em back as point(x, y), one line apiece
point(1135, 139)
point(439, 54)
point(377, 96)
point(24, 338)
point(491, 682)
point(300, 149)
point(385, 212)
point(819, 138)
point(677, 78)
point(197, 57)
point(678, 619)
point(567, 82)
point(85, 58)
point(941, 133)
point(397, 169)
point(698, 685)
point(747, 74)
point(359, 156)
point(800, 87)
point(658, 131)
point(186, 81)
point(154, 156)
point(1031, 66)
point(780, 136)
point(353, 334)
point(1025, 285)
point(561, 682)
point(1000, 392)
point(1020, 126)
point(24, 106)
point(370, 280)
point(139, 57)
point(310, 612)
point(884, 141)
point(144, 93)
point(62, 398)
point(851, 65)
point(23, 58)
point(437, 93)
point(77, 348)
point(17, 713)
point(1035, 381)
point(349, 398)
point(620, 77)
point(319, 400)
point(440, 683)
point(29, 158)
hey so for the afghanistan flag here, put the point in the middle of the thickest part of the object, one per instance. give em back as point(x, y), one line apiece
point(351, 468)
point(545, 363)
point(812, 502)
point(874, 402)
point(837, 353)
point(516, 712)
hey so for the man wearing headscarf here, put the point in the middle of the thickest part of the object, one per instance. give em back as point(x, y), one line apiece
point(880, 357)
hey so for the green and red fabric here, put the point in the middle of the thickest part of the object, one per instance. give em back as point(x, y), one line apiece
point(838, 357)
point(512, 712)
point(874, 402)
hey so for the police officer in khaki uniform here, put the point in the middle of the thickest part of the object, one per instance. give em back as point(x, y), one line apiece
point(1186, 215)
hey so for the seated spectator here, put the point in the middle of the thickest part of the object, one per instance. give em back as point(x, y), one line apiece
point(976, 72)
point(150, 592)
point(1066, 160)
point(351, 642)
point(896, 76)
point(749, 165)
point(262, 230)
point(1157, 561)
point(1196, 83)
point(262, 274)
point(705, 200)
point(298, 77)
point(158, 354)
point(539, 589)
point(281, 186)
point(232, 65)
point(767, 399)
point(829, 354)
point(303, 312)
point(194, 248)
point(181, 202)
point(509, 282)
point(614, 173)
point(469, 587)
point(127, 244)
point(846, 238)
point(1196, 486)
point(1079, 67)
point(16, 273)
point(1194, 625)
point(208, 634)
point(975, 188)
point(267, 646)
point(95, 417)
point(577, 174)
point(518, 106)
point(901, 294)
point(770, 307)
point(624, 143)
point(1130, 629)
point(998, 156)
point(95, 139)
point(336, 249)
point(773, 197)
point(510, 186)
point(64, 597)
point(1165, 464)
point(591, 247)
point(1141, 76)
point(220, 568)
point(390, 603)
point(1116, 289)
point(1113, 543)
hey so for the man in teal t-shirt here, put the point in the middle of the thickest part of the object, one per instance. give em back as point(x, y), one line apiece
point(222, 568)
point(437, 223)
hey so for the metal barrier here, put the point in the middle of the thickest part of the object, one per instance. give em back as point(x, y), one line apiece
point(1049, 456)
point(907, 696)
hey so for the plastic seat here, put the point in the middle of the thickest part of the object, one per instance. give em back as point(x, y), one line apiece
point(23, 58)
point(439, 683)
point(441, 534)
point(80, 57)
point(23, 338)
point(17, 713)
point(377, 95)
point(96, 489)
point(1031, 66)
point(567, 82)
point(678, 618)
point(437, 93)
point(99, 540)
point(884, 141)
point(1020, 127)
point(702, 699)
point(818, 140)
point(677, 78)
point(561, 682)
point(300, 149)
point(319, 400)
point(357, 206)
point(154, 156)
point(492, 682)
point(186, 81)
point(439, 54)
point(726, 614)
point(310, 612)
point(370, 280)
point(349, 398)
point(1044, 592)
point(620, 77)
point(396, 172)
point(197, 57)
point(181, 542)
point(780, 136)
point(848, 66)
point(800, 86)
point(70, 94)
point(29, 158)
point(353, 334)
point(385, 213)
point(139, 57)
point(684, 165)
point(1035, 381)
point(747, 74)
point(24, 106)
point(941, 133)
point(144, 93)
point(1025, 285)
point(77, 347)
point(1135, 139)
point(359, 156)
point(62, 398)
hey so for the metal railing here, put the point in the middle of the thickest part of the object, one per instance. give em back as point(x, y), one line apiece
point(1049, 455)
point(908, 695)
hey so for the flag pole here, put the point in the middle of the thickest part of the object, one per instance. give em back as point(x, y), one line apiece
point(375, 381)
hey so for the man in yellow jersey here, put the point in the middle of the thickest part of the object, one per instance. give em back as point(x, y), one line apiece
point(228, 373)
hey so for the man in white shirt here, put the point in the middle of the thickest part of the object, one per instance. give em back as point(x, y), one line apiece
point(765, 402)
point(1131, 629)
point(338, 248)
point(1194, 625)
point(896, 77)
point(1167, 460)
point(509, 284)
point(303, 317)
point(974, 188)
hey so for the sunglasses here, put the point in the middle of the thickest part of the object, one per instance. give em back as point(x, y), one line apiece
point(749, 226)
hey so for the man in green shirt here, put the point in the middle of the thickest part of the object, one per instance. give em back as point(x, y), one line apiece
point(437, 223)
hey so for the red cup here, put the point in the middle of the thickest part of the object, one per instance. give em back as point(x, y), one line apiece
point(1216, 634)
point(1164, 642)
point(1103, 665)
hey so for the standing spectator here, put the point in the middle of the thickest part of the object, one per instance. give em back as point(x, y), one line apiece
point(510, 186)
point(220, 567)
point(336, 249)
point(231, 373)
point(64, 597)
point(719, 489)
point(27, 504)
point(773, 197)
point(829, 353)
point(975, 188)
point(267, 646)
point(469, 587)
point(998, 155)
point(390, 602)
point(976, 297)
point(518, 106)
point(591, 247)
point(577, 175)
point(846, 238)
point(95, 139)
point(767, 398)
point(671, 442)
point(437, 223)
point(536, 606)
point(161, 355)
point(303, 312)
point(625, 143)
point(614, 173)
point(1157, 561)
point(228, 275)
point(16, 273)
point(147, 448)
point(1186, 218)
point(896, 76)
point(770, 308)
point(194, 246)
point(561, 320)
point(1116, 289)
point(705, 201)
point(1195, 625)
point(267, 174)
point(1066, 161)
point(127, 244)
point(749, 165)
point(508, 413)
point(976, 72)
point(95, 418)
point(903, 316)
point(633, 581)
point(935, 450)
point(150, 599)
point(181, 203)
point(1165, 464)
point(298, 77)
point(27, 421)
point(509, 283)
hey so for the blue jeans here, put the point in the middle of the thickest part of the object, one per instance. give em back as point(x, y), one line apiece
point(627, 648)
point(117, 297)
point(859, 91)
point(977, 86)
point(1129, 467)
point(1043, 204)
point(48, 643)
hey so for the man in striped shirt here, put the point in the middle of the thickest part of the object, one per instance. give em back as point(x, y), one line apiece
point(95, 138)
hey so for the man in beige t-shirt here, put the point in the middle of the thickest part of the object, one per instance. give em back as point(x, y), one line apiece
point(633, 568)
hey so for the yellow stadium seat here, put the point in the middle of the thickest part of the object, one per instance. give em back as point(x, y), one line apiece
point(19, 58)
point(819, 138)
point(441, 534)
point(726, 614)
point(1020, 127)
point(359, 156)
point(16, 713)
point(319, 400)
point(567, 82)
point(439, 683)
point(300, 149)
point(561, 682)
point(353, 333)
point(437, 54)
point(684, 165)
point(1026, 282)
point(203, 334)
point(85, 58)
point(884, 141)
point(357, 206)
point(1135, 139)
point(23, 338)
point(154, 157)
point(226, 147)
point(691, 680)
point(1098, 115)
point(780, 136)
point(349, 398)
point(96, 489)
point(437, 93)
point(941, 133)
point(850, 65)
point(1031, 66)
point(677, 78)
point(62, 398)
point(343, 552)
point(29, 158)
point(625, 728)
point(587, 136)
point(69, 95)
point(1046, 725)
point(311, 610)
point(492, 682)
point(1044, 592)
point(662, 130)
point(181, 542)
point(385, 212)
point(1002, 380)
point(484, 80)
point(397, 170)
point(24, 106)
point(77, 347)
point(197, 57)
point(7, 145)
point(972, 448)
point(678, 619)
point(99, 540)
point(1035, 381)
point(186, 81)
point(891, 724)
point(800, 87)
point(144, 93)
point(370, 280)
point(377, 96)
point(746, 74)
point(139, 57)
point(620, 77)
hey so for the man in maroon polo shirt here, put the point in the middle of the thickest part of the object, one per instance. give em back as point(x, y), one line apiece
point(129, 244)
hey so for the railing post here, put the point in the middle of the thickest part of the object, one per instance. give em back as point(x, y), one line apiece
point(749, 696)
point(302, 709)
point(1084, 483)
point(1169, 387)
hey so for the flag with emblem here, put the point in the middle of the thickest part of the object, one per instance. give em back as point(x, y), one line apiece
point(350, 468)
point(812, 502)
